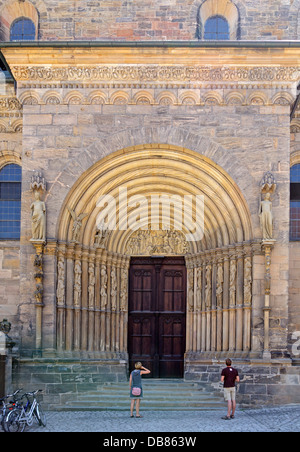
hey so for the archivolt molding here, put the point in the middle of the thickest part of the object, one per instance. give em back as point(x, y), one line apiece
point(227, 219)
point(295, 125)
point(9, 157)
point(295, 157)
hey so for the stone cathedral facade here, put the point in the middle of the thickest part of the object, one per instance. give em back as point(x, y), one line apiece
point(124, 127)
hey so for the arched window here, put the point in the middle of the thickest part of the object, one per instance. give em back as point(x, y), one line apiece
point(22, 29)
point(10, 201)
point(295, 203)
point(216, 28)
point(218, 20)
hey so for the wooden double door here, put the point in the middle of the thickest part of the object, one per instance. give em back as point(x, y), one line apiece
point(157, 315)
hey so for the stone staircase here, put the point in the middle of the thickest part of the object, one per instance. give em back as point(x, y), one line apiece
point(159, 395)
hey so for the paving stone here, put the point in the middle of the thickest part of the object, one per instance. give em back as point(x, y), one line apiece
point(279, 419)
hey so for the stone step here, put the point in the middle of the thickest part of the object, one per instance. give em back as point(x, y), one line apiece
point(153, 396)
point(158, 395)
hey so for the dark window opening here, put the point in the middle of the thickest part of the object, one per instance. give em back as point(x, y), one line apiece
point(10, 202)
point(22, 30)
point(295, 203)
point(216, 28)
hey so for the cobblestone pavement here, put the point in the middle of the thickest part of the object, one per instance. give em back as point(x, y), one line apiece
point(279, 419)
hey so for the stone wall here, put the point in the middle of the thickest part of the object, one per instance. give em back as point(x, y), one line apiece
point(261, 383)
point(245, 141)
point(9, 282)
point(139, 20)
point(10, 152)
point(294, 307)
point(62, 380)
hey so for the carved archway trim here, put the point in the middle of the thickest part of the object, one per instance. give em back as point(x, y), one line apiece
point(159, 169)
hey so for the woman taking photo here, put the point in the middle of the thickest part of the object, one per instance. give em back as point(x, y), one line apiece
point(135, 386)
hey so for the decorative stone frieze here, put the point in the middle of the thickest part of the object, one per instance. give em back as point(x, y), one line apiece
point(154, 73)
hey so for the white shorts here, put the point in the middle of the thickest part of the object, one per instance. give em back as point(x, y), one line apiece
point(229, 394)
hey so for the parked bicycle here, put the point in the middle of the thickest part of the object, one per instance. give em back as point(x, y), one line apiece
point(22, 416)
point(9, 402)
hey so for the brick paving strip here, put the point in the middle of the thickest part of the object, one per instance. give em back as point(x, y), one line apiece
point(275, 419)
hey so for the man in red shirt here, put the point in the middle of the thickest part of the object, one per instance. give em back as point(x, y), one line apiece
point(229, 377)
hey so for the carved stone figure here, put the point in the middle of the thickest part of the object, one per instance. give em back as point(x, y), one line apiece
point(77, 283)
point(124, 290)
point(247, 281)
point(5, 326)
point(38, 218)
point(60, 290)
point(113, 290)
point(92, 282)
point(266, 217)
point(103, 290)
point(219, 290)
point(232, 282)
point(77, 224)
point(208, 286)
point(102, 236)
point(39, 293)
point(191, 289)
point(199, 289)
point(161, 242)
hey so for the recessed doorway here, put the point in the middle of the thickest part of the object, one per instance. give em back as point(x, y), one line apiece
point(157, 315)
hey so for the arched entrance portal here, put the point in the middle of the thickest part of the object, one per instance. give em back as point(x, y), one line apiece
point(149, 194)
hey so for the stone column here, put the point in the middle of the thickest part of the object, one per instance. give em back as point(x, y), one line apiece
point(123, 308)
point(77, 298)
point(84, 299)
point(124, 301)
point(91, 300)
point(190, 309)
point(198, 305)
point(113, 303)
point(219, 295)
point(239, 299)
point(267, 246)
point(98, 309)
point(208, 294)
point(225, 335)
point(232, 302)
point(194, 333)
point(39, 290)
point(103, 298)
point(69, 295)
point(61, 298)
point(247, 303)
point(203, 309)
point(214, 306)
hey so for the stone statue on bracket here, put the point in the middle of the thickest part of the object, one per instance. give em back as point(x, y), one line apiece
point(266, 217)
point(38, 218)
point(267, 187)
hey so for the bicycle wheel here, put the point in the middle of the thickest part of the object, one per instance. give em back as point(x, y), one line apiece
point(12, 423)
point(40, 415)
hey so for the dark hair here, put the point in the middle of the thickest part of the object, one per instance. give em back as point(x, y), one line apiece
point(228, 362)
